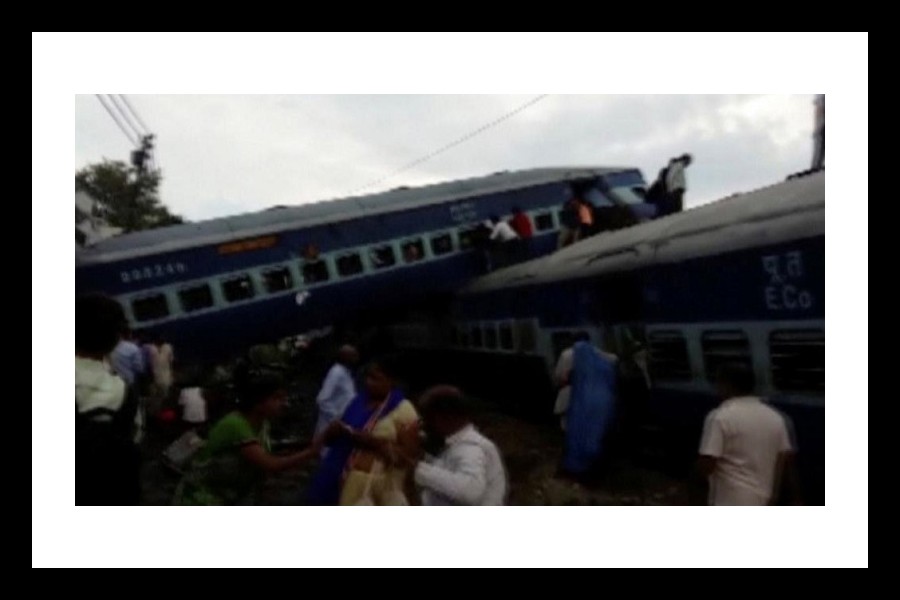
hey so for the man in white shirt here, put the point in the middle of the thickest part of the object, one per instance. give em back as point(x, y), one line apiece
point(502, 231)
point(745, 447)
point(338, 390)
point(469, 470)
point(107, 460)
point(676, 183)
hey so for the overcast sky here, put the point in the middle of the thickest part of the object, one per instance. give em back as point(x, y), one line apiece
point(223, 155)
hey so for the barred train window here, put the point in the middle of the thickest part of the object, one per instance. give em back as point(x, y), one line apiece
point(669, 356)
point(383, 257)
point(527, 336)
point(506, 336)
point(543, 221)
point(194, 298)
point(490, 337)
point(442, 244)
point(561, 340)
point(238, 288)
point(150, 308)
point(463, 336)
point(723, 347)
point(278, 280)
point(467, 238)
point(315, 271)
point(349, 264)
point(413, 251)
point(476, 336)
point(798, 360)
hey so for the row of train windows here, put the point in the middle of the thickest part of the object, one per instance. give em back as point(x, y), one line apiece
point(200, 296)
point(797, 356)
point(497, 337)
point(280, 279)
point(239, 288)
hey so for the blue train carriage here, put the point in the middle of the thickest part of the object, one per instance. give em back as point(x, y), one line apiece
point(742, 279)
point(214, 287)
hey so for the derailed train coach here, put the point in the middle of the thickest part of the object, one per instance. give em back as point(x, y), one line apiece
point(215, 287)
point(741, 279)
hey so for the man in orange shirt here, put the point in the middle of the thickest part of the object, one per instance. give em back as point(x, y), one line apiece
point(585, 218)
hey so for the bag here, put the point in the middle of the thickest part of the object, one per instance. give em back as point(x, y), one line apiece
point(182, 450)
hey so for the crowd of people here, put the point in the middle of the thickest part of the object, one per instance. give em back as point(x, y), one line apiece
point(746, 451)
point(372, 445)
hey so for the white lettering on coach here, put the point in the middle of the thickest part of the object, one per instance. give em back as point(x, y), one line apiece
point(154, 271)
point(782, 291)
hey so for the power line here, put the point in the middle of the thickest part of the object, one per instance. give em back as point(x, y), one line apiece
point(454, 143)
point(134, 112)
point(125, 116)
point(116, 119)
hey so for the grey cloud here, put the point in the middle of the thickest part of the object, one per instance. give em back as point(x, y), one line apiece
point(226, 154)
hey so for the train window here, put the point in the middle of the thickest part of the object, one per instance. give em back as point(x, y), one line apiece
point(349, 264)
point(413, 251)
point(543, 221)
point(238, 288)
point(527, 337)
point(561, 340)
point(476, 337)
point(490, 337)
point(724, 347)
point(383, 257)
point(468, 237)
point(798, 360)
point(150, 308)
point(315, 271)
point(506, 337)
point(195, 298)
point(669, 356)
point(442, 244)
point(463, 337)
point(278, 280)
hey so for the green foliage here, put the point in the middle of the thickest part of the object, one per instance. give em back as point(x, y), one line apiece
point(125, 197)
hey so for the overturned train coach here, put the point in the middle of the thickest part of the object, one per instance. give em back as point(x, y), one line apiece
point(741, 279)
point(215, 287)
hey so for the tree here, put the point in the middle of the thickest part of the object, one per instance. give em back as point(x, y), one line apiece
point(125, 196)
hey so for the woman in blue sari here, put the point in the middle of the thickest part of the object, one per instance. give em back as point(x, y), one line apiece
point(362, 465)
point(591, 408)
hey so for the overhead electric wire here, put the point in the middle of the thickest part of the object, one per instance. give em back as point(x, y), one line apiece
point(116, 119)
point(137, 117)
point(453, 144)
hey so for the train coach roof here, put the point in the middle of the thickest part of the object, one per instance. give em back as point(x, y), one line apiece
point(330, 211)
point(789, 210)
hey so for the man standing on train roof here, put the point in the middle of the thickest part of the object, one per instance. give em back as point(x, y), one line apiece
point(745, 450)
point(338, 388)
point(675, 182)
point(819, 134)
